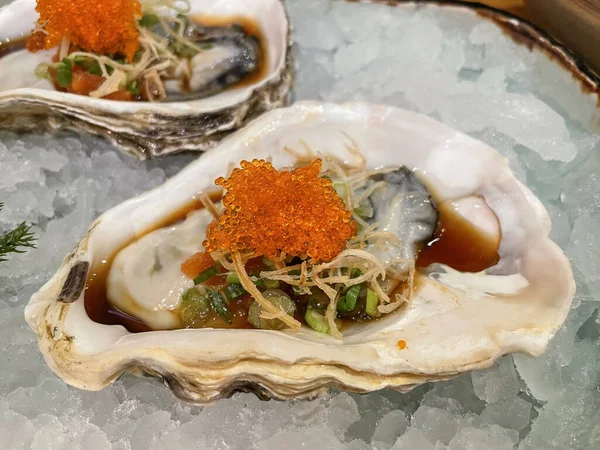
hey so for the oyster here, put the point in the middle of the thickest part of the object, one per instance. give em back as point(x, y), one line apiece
point(457, 321)
point(199, 112)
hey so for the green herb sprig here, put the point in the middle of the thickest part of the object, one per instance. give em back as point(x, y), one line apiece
point(16, 241)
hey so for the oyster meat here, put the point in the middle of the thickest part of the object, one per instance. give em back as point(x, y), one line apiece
point(404, 208)
point(456, 321)
point(226, 75)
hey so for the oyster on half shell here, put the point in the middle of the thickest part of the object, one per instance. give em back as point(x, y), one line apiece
point(456, 321)
point(212, 104)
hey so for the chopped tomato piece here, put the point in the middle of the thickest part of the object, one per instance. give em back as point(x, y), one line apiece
point(84, 82)
point(217, 280)
point(197, 263)
point(121, 94)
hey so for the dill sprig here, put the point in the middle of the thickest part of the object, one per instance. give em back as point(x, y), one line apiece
point(17, 240)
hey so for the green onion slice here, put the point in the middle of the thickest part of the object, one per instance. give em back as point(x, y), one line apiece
point(64, 72)
point(316, 320)
point(371, 305)
point(206, 275)
point(232, 278)
point(233, 291)
point(133, 87)
point(341, 187)
point(348, 302)
point(217, 303)
point(148, 20)
point(364, 211)
point(279, 299)
point(42, 71)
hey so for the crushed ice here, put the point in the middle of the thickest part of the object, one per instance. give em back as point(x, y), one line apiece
point(456, 68)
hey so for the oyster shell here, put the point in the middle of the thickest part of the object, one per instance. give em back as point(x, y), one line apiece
point(456, 322)
point(142, 128)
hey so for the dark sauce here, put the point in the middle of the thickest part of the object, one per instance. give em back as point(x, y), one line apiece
point(96, 303)
point(456, 243)
point(459, 244)
point(13, 45)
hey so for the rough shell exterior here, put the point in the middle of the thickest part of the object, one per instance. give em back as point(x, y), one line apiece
point(448, 331)
point(143, 129)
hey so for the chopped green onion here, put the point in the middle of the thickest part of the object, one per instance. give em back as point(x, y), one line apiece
point(271, 284)
point(64, 72)
point(148, 20)
point(93, 67)
point(316, 320)
point(42, 71)
point(182, 50)
point(294, 272)
point(372, 302)
point(355, 273)
point(341, 187)
point(194, 307)
point(206, 275)
point(233, 278)
point(217, 303)
point(348, 302)
point(364, 211)
point(300, 290)
point(267, 262)
point(89, 64)
point(133, 87)
point(232, 291)
point(278, 298)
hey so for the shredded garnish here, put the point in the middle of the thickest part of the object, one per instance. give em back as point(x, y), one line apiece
point(270, 310)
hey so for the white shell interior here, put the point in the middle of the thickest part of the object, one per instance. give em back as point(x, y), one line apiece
point(464, 324)
point(18, 19)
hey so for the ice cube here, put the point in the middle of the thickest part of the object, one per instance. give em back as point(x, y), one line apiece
point(498, 382)
point(390, 427)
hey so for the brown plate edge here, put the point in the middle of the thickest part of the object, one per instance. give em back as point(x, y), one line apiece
point(525, 33)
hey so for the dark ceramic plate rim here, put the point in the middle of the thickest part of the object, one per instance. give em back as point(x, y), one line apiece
point(521, 32)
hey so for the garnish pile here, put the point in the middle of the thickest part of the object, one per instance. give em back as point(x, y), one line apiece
point(114, 49)
point(293, 243)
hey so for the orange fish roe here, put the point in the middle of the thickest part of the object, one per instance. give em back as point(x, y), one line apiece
point(105, 27)
point(267, 211)
point(401, 344)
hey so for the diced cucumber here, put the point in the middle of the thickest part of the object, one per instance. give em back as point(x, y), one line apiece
point(278, 298)
point(194, 307)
